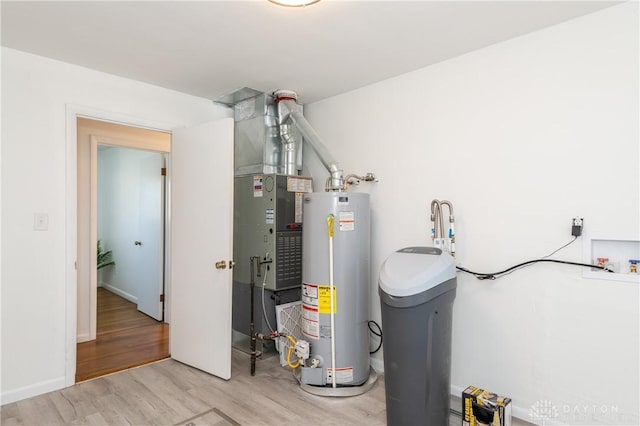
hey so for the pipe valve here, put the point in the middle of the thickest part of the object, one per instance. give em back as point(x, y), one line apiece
point(355, 179)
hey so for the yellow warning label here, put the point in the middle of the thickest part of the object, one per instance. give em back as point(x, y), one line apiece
point(324, 301)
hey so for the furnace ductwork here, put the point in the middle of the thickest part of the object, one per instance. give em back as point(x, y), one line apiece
point(269, 134)
point(289, 112)
point(261, 144)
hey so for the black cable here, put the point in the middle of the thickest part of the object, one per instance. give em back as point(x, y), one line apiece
point(495, 275)
point(377, 333)
point(549, 255)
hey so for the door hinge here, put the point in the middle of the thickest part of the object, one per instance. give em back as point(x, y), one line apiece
point(163, 171)
point(162, 297)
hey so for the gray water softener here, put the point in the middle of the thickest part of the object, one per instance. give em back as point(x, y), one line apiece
point(417, 288)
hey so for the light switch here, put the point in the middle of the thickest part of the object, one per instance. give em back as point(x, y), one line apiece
point(40, 222)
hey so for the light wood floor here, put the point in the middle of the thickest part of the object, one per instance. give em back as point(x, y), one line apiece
point(125, 338)
point(170, 393)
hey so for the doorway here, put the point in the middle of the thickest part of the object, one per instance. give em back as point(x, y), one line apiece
point(130, 220)
point(198, 235)
point(126, 214)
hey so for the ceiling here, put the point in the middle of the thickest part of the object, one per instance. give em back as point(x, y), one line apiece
point(210, 48)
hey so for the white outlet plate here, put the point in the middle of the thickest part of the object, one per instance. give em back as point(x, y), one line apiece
point(40, 222)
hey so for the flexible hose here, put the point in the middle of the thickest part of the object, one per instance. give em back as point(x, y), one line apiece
point(297, 364)
point(264, 309)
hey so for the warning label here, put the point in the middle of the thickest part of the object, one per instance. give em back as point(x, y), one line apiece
point(347, 221)
point(310, 315)
point(310, 322)
point(343, 375)
point(298, 208)
point(324, 299)
point(319, 297)
point(310, 295)
point(269, 216)
point(257, 186)
point(299, 184)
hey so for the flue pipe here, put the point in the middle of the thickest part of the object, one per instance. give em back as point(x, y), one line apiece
point(286, 100)
point(290, 149)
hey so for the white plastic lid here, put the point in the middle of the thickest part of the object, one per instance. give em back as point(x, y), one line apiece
point(414, 270)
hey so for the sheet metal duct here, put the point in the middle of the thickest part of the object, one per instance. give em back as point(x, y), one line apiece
point(290, 114)
point(259, 146)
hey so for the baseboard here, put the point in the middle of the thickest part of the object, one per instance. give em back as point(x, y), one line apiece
point(120, 293)
point(377, 364)
point(32, 390)
point(457, 392)
point(516, 411)
point(84, 337)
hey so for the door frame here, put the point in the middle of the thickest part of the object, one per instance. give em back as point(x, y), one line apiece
point(129, 144)
point(73, 112)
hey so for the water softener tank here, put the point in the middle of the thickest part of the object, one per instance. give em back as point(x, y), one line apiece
point(351, 246)
point(417, 290)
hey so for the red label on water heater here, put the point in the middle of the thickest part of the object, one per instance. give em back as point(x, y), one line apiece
point(310, 315)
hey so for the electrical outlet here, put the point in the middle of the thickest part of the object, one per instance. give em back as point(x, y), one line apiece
point(40, 222)
point(576, 226)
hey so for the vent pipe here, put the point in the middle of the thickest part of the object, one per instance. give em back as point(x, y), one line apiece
point(289, 151)
point(289, 113)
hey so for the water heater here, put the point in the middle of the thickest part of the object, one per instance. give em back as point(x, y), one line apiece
point(350, 265)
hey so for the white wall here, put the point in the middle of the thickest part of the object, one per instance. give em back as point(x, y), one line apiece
point(521, 137)
point(35, 94)
point(119, 217)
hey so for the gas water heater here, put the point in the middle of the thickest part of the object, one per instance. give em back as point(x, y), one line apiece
point(334, 349)
point(348, 215)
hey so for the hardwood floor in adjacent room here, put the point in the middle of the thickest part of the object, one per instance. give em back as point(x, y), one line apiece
point(125, 338)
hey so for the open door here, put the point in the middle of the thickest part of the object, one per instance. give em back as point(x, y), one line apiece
point(149, 241)
point(201, 236)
